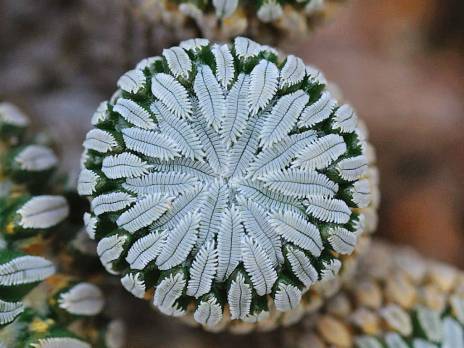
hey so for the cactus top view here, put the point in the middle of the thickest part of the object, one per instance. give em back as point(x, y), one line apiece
point(265, 20)
point(227, 183)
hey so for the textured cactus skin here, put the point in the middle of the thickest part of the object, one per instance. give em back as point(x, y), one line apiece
point(389, 300)
point(43, 296)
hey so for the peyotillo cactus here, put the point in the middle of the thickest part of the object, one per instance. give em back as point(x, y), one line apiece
point(26, 214)
point(224, 19)
point(39, 308)
point(228, 179)
point(397, 300)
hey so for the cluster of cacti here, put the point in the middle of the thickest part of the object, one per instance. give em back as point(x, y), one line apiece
point(47, 303)
point(397, 299)
point(225, 19)
point(230, 180)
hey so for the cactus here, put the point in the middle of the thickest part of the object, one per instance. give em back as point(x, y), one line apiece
point(43, 300)
point(397, 299)
point(266, 20)
point(229, 179)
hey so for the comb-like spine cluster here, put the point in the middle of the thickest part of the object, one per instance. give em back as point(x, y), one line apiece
point(229, 180)
point(42, 300)
point(398, 299)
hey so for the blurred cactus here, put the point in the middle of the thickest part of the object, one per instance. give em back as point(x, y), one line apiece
point(397, 299)
point(39, 308)
point(268, 21)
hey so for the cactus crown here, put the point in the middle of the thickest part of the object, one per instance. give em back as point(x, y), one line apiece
point(222, 174)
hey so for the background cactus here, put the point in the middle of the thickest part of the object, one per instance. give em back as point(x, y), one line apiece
point(225, 176)
point(397, 299)
point(265, 20)
point(38, 306)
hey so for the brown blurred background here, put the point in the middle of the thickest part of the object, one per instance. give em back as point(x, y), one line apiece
point(401, 63)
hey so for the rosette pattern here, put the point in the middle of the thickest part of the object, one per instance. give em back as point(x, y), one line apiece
point(223, 176)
